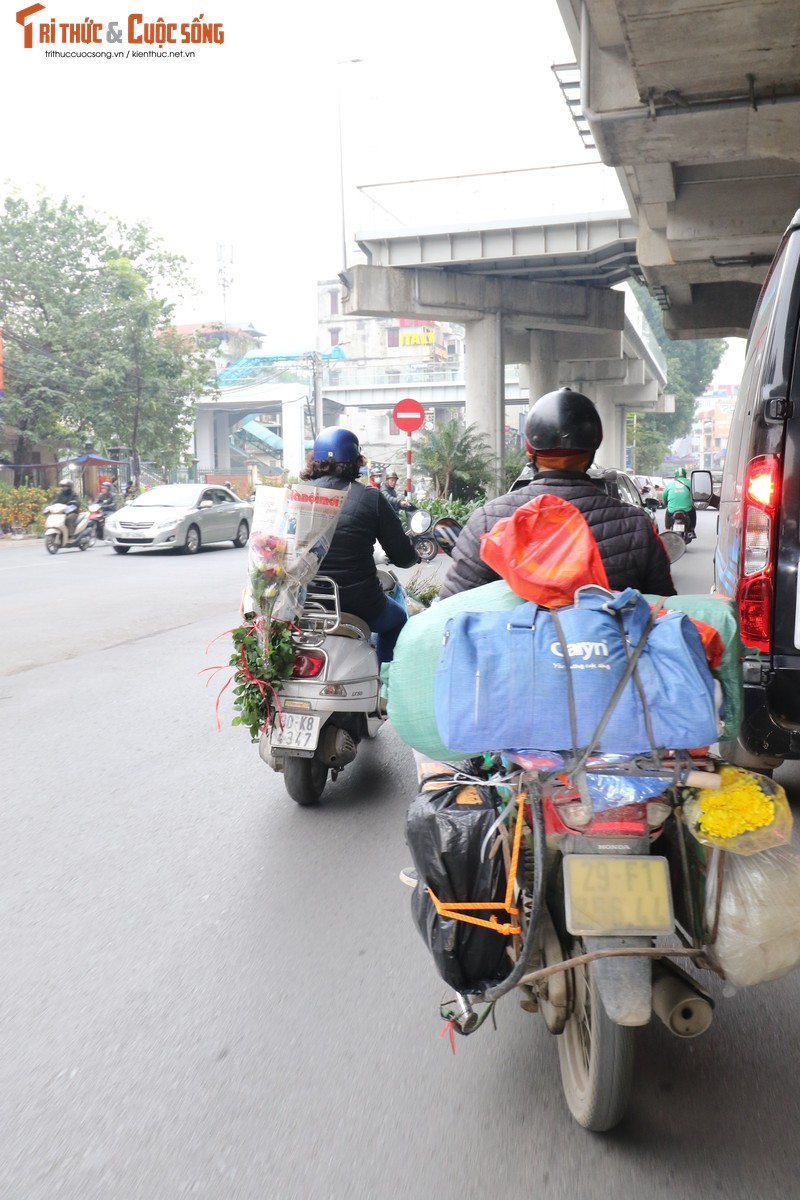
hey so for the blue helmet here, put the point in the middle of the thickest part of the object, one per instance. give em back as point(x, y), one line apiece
point(336, 445)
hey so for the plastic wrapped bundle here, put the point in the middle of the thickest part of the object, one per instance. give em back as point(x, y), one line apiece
point(758, 930)
point(448, 826)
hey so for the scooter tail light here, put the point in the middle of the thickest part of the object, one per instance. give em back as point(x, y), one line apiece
point(308, 665)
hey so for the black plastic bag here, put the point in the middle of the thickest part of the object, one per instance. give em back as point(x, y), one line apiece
point(446, 829)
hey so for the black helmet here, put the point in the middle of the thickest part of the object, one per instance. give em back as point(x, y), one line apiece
point(563, 420)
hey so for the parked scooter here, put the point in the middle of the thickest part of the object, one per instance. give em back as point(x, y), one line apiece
point(430, 537)
point(333, 699)
point(419, 531)
point(56, 532)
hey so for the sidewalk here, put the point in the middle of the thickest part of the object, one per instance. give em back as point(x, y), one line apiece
point(13, 539)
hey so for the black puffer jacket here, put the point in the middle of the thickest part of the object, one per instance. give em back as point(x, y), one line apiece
point(632, 553)
point(366, 517)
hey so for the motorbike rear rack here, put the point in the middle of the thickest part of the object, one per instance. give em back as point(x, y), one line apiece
point(320, 614)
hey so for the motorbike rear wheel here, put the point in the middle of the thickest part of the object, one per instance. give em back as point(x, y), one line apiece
point(426, 548)
point(595, 1056)
point(305, 779)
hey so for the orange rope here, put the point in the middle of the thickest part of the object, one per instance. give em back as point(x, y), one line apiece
point(458, 911)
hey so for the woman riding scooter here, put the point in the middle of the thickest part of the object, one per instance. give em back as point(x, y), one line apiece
point(69, 497)
point(366, 517)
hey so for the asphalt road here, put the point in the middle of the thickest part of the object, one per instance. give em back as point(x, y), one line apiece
point(210, 992)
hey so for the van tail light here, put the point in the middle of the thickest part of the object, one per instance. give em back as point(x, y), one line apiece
point(308, 665)
point(754, 592)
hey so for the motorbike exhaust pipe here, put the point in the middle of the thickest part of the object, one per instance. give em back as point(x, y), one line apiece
point(337, 748)
point(683, 1006)
point(465, 1016)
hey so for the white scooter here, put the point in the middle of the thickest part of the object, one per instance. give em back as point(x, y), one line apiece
point(56, 533)
point(333, 699)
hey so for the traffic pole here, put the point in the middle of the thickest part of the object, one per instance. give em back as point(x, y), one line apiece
point(408, 467)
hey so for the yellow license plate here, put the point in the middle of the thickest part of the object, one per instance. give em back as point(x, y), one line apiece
point(616, 895)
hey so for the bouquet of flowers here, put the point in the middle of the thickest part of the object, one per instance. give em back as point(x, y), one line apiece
point(292, 531)
point(267, 568)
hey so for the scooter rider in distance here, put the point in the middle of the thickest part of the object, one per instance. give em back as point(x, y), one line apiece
point(366, 517)
point(72, 501)
point(677, 497)
point(389, 489)
point(563, 432)
point(107, 499)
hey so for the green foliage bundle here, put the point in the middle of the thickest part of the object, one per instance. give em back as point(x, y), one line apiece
point(459, 510)
point(262, 659)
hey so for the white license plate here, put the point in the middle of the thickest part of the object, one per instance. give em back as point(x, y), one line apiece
point(296, 732)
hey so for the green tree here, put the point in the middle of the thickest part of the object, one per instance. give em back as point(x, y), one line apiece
point(457, 458)
point(146, 381)
point(88, 347)
point(690, 368)
point(514, 461)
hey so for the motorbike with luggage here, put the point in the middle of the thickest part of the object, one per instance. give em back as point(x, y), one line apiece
point(575, 843)
point(57, 535)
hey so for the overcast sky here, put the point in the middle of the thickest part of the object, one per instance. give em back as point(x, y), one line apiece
point(239, 146)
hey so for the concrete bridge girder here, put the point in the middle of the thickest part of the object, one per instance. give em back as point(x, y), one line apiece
point(559, 333)
point(456, 296)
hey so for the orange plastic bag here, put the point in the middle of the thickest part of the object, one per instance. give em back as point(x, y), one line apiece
point(545, 551)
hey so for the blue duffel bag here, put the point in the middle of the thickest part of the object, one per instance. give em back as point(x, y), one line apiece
point(504, 679)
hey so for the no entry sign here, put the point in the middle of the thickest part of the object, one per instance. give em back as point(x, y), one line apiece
point(408, 415)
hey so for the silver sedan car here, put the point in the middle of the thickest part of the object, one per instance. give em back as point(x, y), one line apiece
point(183, 516)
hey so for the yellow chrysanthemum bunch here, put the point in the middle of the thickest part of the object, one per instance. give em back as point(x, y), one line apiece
point(738, 806)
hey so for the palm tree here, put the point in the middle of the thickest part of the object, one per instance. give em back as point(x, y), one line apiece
point(457, 458)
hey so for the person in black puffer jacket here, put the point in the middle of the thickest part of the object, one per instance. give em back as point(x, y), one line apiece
point(562, 433)
point(366, 517)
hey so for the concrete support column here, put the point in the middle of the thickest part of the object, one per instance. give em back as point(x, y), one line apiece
point(222, 441)
point(484, 391)
point(543, 367)
point(612, 449)
point(293, 432)
point(204, 439)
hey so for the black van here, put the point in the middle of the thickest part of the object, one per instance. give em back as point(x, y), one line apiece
point(758, 549)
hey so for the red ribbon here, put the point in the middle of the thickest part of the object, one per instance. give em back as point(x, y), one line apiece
point(244, 670)
point(449, 1027)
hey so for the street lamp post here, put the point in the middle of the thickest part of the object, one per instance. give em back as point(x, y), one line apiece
point(341, 63)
